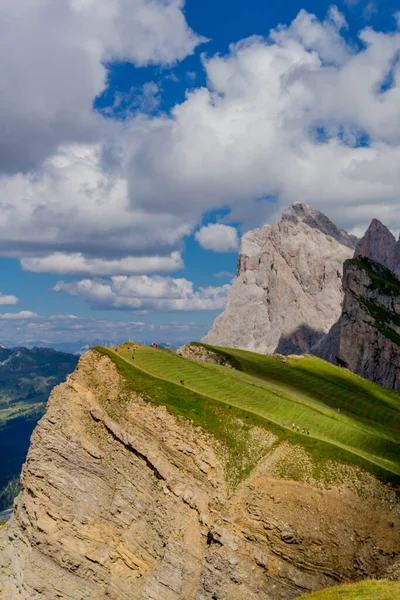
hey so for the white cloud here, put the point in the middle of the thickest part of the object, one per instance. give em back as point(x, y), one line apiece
point(218, 237)
point(23, 314)
point(77, 264)
point(53, 56)
point(283, 117)
point(255, 131)
point(323, 38)
point(143, 293)
point(8, 299)
point(76, 218)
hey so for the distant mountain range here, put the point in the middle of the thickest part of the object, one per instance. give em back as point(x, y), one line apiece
point(78, 348)
point(81, 346)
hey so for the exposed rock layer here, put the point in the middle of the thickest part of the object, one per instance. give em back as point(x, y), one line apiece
point(287, 293)
point(199, 352)
point(122, 500)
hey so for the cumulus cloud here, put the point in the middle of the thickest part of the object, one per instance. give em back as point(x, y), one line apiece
point(143, 293)
point(74, 217)
point(300, 115)
point(4, 299)
point(77, 264)
point(23, 314)
point(218, 237)
point(53, 57)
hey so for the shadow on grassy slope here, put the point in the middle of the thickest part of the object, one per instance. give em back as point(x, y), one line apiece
point(335, 388)
point(231, 424)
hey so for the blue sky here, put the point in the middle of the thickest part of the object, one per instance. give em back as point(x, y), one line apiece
point(141, 142)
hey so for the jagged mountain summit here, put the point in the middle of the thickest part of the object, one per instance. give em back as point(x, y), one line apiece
point(288, 290)
point(380, 245)
point(366, 338)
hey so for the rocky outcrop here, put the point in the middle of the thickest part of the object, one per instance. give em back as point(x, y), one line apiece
point(199, 352)
point(287, 293)
point(123, 500)
point(366, 338)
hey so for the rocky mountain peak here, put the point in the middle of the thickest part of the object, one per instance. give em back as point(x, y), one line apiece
point(287, 293)
point(303, 213)
point(299, 212)
point(380, 245)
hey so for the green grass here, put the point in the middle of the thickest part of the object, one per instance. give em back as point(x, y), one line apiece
point(366, 590)
point(272, 394)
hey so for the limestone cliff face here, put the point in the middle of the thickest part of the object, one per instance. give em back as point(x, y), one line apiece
point(287, 293)
point(123, 501)
point(366, 338)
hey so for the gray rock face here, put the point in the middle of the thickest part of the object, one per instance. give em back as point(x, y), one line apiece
point(366, 338)
point(381, 246)
point(287, 293)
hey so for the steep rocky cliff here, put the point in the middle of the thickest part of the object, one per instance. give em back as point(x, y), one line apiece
point(366, 338)
point(123, 500)
point(287, 293)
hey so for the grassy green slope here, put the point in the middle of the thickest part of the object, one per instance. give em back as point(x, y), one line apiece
point(367, 590)
point(274, 393)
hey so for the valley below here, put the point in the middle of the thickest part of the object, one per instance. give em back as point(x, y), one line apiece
point(26, 380)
